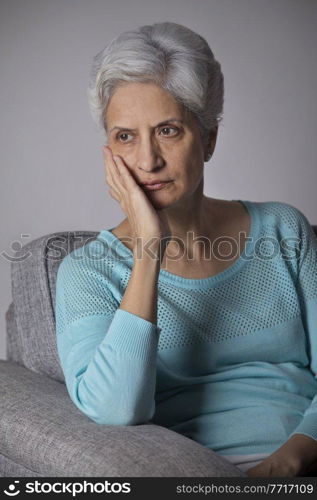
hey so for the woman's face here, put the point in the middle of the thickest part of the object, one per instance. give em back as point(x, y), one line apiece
point(156, 139)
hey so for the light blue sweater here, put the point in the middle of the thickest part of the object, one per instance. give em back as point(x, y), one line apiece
point(231, 364)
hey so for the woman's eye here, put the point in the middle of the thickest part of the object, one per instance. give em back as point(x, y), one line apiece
point(123, 136)
point(168, 128)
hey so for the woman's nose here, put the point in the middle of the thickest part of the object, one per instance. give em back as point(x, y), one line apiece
point(148, 156)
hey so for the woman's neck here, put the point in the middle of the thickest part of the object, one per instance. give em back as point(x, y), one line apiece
point(187, 226)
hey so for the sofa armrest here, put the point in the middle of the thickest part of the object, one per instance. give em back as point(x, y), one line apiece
point(42, 431)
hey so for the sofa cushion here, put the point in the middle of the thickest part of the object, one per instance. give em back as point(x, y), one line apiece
point(31, 337)
point(42, 431)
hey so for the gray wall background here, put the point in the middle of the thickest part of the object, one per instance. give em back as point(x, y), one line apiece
point(52, 172)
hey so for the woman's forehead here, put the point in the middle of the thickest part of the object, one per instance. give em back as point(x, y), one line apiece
point(136, 97)
point(134, 100)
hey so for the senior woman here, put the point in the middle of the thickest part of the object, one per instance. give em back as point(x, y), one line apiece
point(188, 313)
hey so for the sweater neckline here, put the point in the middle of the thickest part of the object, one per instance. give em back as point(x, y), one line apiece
point(209, 281)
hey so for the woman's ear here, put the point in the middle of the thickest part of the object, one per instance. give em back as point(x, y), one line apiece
point(211, 143)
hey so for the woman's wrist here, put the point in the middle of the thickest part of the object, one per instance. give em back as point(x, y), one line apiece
point(152, 252)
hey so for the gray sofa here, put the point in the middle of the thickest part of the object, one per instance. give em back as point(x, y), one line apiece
point(42, 433)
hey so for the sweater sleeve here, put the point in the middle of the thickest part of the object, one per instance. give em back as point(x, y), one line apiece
point(307, 292)
point(107, 354)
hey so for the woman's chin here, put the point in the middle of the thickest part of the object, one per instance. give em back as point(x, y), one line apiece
point(158, 203)
point(160, 198)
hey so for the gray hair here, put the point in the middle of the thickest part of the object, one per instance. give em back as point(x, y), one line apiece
point(168, 54)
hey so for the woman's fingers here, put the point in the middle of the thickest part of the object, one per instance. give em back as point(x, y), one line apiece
point(111, 172)
point(121, 176)
point(126, 176)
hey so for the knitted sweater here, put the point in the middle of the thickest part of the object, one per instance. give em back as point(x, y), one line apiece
point(232, 361)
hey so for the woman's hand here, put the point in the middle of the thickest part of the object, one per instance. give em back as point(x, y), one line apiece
point(145, 222)
point(297, 456)
point(273, 466)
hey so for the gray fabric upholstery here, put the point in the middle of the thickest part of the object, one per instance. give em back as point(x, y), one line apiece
point(14, 352)
point(31, 338)
point(42, 432)
point(8, 468)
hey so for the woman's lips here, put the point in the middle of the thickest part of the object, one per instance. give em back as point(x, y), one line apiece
point(154, 187)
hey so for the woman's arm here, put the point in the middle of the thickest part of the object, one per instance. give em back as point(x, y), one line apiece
point(140, 297)
point(298, 455)
point(108, 353)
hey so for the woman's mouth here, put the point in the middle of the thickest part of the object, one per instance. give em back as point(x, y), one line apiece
point(154, 187)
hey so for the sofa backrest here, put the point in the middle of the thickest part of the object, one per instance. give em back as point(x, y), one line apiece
point(30, 319)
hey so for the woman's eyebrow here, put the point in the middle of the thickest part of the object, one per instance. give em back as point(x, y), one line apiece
point(165, 122)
